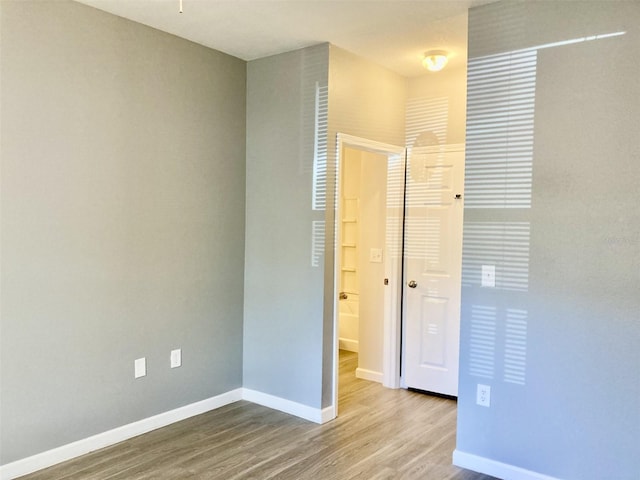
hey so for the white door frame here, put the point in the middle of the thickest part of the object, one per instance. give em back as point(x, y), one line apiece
point(392, 268)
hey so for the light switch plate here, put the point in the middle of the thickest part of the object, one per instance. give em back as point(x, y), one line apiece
point(140, 367)
point(375, 255)
point(176, 358)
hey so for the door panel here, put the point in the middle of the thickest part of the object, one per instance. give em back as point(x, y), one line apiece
point(437, 250)
point(434, 336)
point(433, 256)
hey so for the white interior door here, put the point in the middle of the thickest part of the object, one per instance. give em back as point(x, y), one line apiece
point(433, 259)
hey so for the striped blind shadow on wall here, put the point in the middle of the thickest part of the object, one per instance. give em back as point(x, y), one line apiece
point(498, 176)
point(500, 126)
point(319, 187)
point(505, 245)
point(492, 327)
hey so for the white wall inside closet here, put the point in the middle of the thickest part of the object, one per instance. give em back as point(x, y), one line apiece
point(364, 193)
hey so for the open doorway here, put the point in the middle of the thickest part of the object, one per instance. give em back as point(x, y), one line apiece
point(362, 244)
point(368, 263)
point(390, 219)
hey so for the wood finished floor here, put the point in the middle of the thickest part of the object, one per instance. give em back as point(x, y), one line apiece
point(379, 434)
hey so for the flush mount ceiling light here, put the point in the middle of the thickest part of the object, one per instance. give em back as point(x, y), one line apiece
point(435, 60)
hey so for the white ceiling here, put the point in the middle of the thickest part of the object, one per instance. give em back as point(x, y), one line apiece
point(392, 33)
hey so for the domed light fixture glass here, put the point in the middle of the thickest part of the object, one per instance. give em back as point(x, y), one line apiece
point(435, 60)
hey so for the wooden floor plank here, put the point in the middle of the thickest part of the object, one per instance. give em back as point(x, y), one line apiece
point(380, 434)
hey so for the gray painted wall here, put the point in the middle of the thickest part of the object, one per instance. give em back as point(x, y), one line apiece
point(122, 197)
point(283, 277)
point(574, 414)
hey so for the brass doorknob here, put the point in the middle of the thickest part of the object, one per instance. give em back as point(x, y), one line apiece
point(412, 284)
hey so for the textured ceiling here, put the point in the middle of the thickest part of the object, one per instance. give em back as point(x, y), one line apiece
point(392, 33)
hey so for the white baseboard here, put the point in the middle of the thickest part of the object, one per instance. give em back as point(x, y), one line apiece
point(52, 457)
point(348, 344)
point(495, 468)
point(369, 375)
point(110, 437)
point(316, 415)
point(327, 414)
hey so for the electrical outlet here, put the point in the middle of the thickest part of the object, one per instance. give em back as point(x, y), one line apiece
point(483, 395)
point(176, 358)
point(140, 367)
